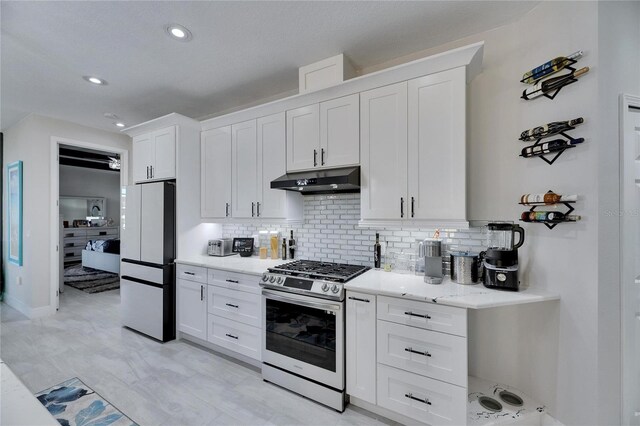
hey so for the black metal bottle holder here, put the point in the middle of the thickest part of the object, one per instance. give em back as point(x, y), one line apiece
point(557, 152)
point(570, 80)
point(548, 224)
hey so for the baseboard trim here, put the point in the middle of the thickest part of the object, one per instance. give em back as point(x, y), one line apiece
point(31, 313)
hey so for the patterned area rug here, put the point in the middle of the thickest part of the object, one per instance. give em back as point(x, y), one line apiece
point(73, 403)
point(90, 280)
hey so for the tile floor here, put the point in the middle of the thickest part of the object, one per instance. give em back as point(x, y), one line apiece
point(175, 383)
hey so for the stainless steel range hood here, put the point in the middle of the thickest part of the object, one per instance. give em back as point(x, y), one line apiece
point(331, 181)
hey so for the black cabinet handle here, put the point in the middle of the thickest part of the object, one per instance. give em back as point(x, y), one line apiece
point(151, 172)
point(413, 201)
point(236, 306)
point(233, 281)
point(258, 208)
point(226, 209)
point(413, 351)
point(315, 157)
point(358, 299)
point(322, 156)
point(201, 293)
point(417, 315)
point(401, 207)
point(410, 396)
point(147, 172)
point(253, 205)
point(232, 336)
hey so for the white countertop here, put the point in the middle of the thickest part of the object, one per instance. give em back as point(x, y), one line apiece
point(247, 265)
point(448, 293)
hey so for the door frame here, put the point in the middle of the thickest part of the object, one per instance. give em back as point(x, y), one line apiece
point(55, 196)
point(628, 221)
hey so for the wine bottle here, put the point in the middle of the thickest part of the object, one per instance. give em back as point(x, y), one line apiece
point(376, 252)
point(554, 217)
point(550, 67)
point(292, 246)
point(551, 84)
point(284, 249)
point(547, 147)
point(549, 129)
point(548, 198)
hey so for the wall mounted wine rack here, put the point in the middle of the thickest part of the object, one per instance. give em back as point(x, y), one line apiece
point(547, 223)
point(552, 92)
point(555, 152)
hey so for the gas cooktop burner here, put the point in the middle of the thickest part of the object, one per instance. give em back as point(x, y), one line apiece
point(339, 272)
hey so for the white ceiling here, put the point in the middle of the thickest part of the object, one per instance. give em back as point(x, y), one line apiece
point(240, 52)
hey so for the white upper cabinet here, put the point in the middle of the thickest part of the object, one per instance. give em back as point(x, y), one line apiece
point(271, 165)
point(244, 168)
point(303, 137)
point(340, 132)
point(154, 155)
point(413, 151)
point(215, 149)
point(383, 132)
point(437, 178)
point(324, 135)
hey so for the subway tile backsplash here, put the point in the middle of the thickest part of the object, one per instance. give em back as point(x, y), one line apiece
point(330, 232)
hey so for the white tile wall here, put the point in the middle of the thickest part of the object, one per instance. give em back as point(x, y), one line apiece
point(330, 232)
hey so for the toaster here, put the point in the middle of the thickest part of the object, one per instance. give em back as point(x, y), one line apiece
point(220, 247)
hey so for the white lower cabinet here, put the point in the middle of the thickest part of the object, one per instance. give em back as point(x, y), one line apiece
point(191, 306)
point(409, 358)
point(361, 346)
point(421, 398)
point(235, 305)
point(235, 336)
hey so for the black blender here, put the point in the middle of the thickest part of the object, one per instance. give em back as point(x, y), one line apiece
point(501, 257)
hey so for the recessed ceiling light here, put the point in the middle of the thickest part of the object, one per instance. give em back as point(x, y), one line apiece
point(120, 124)
point(95, 80)
point(178, 32)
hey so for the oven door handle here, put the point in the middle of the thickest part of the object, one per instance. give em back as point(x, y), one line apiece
point(302, 301)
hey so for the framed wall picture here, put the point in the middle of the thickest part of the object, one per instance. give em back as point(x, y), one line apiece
point(14, 180)
point(96, 207)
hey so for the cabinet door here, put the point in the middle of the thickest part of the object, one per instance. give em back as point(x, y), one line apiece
point(437, 138)
point(340, 132)
point(164, 166)
point(244, 169)
point(192, 308)
point(131, 204)
point(152, 223)
point(143, 157)
point(361, 346)
point(383, 130)
point(215, 181)
point(303, 138)
point(271, 165)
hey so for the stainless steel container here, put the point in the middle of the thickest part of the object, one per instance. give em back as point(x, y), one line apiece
point(465, 267)
point(432, 261)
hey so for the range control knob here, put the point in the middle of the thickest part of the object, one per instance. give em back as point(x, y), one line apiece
point(325, 287)
point(272, 279)
point(265, 278)
point(280, 280)
point(335, 288)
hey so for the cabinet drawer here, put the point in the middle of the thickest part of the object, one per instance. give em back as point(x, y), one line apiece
point(234, 281)
point(73, 251)
point(191, 273)
point(74, 233)
point(92, 233)
point(430, 316)
point(423, 399)
point(437, 355)
point(235, 305)
point(235, 336)
point(74, 242)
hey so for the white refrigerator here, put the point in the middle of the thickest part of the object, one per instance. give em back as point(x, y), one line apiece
point(147, 277)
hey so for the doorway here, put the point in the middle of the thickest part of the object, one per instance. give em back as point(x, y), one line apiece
point(630, 256)
point(86, 186)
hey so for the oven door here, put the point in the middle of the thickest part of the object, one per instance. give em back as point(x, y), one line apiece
point(305, 336)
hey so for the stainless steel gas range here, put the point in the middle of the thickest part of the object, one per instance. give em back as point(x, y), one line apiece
point(303, 328)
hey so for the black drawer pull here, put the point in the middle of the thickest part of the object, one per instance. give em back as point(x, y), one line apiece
point(103, 233)
point(188, 273)
point(417, 315)
point(358, 299)
point(413, 351)
point(233, 281)
point(232, 336)
point(232, 306)
point(410, 396)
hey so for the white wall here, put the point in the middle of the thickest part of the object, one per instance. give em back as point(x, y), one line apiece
point(84, 182)
point(30, 141)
